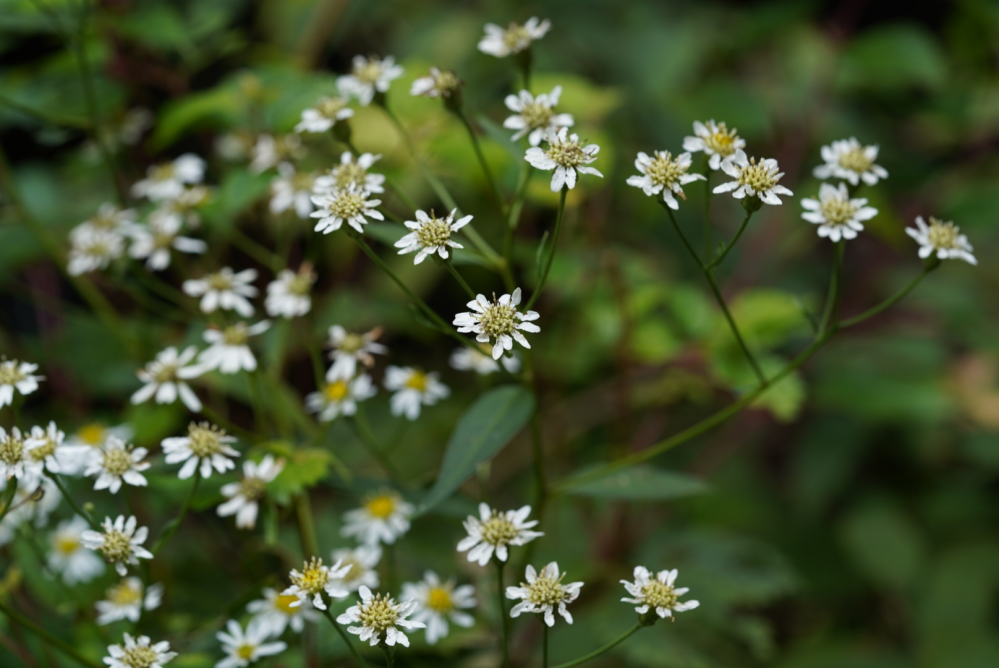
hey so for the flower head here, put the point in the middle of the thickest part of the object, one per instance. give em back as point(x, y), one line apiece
point(275, 612)
point(944, 239)
point(116, 462)
point(368, 76)
point(225, 289)
point(94, 249)
point(14, 459)
point(493, 531)
point(168, 180)
point(383, 518)
point(498, 321)
point(69, 557)
point(270, 151)
point(349, 348)
point(154, 241)
point(340, 396)
point(430, 235)
point(349, 204)
point(45, 446)
point(379, 618)
point(656, 593)
point(288, 294)
point(245, 647)
point(363, 561)
point(314, 580)
point(244, 496)
point(752, 179)
point(438, 602)
point(848, 159)
point(716, 140)
point(292, 190)
point(413, 388)
point(567, 155)
point(837, 216)
point(229, 351)
point(501, 42)
point(325, 114)
point(534, 116)
point(440, 83)
point(120, 542)
point(108, 218)
point(205, 444)
point(15, 375)
point(544, 593)
point(466, 359)
point(165, 378)
point(351, 172)
point(139, 653)
point(664, 174)
point(127, 600)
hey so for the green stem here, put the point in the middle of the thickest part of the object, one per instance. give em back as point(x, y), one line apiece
point(389, 655)
point(259, 253)
point(61, 645)
point(731, 244)
point(355, 655)
point(306, 526)
point(874, 310)
point(606, 648)
point(457, 276)
point(493, 189)
point(363, 429)
point(76, 509)
point(504, 622)
point(513, 220)
point(538, 451)
point(707, 213)
point(551, 254)
point(544, 644)
point(830, 314)
point(7, 497)
point(171, 528)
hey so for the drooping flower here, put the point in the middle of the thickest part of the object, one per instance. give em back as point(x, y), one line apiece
point(656, 593)
point(567, 155)
point(348, 204)
point(439, 602)
point(165, 378)
point(363, 561)
point(270, 151)
point(229, 351)
point(314, 580)
point(127, 600)
point(498, 321)
point(275, 612)
point(325, 114)
point(715, 140)
point(340, 396)
point(941, 238)
point(154, 241)
point(349, 348)
point(534, 116)
point(501, 42)
point(168, 180)
point(116, 462)
point(244, 496)
point(139, 653)
point(245, 647)
point(430, 235)
point(544, 593)
point(440, 83)
point(368, 76)
point(120, 542)
point(205, 447)
point(351, 172)
point(292, 190)
point(837, 216)
point(752, 179)
point(224, 289)
point(68, 557)
point(664, 174)
point(413, 388)
point(288, 294)
point(493, 531)
point(466, 359)
point(848, 159)
point(383, 518)
point(379, 618)
point(15, 375)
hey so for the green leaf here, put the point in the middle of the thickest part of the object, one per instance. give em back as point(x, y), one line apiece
point(215, 108)
point(303, 468)
point(892, 58)
point(486, 426)
point(641, 483)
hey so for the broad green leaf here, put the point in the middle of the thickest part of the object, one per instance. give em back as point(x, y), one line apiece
point(486, 426)
point(892, 58)
point(641, 483)
point(217, 107)
point(303, 468)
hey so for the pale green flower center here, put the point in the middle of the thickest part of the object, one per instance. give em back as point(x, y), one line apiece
point(302, 182)
point(446, 82)
point(369, 72)
point(313, 578)
point(117, 461)
point(357, 569)
point(546, 591)
point(162, 172)
point(235, 335)
point(855, 160)
point(498, 319)
point(140, 656)
point(164, 373)
point(11, 450)
point(516, 38)
point(758, 176)
point(943, 235)
point(663, 170)
point(162, 240)
point(659, 595)
point(433, 233)
point(40, 452)
point(379, 613)
point(348, 174)
point(10, 373)
point(252, 488)
point(347, 204)
point(351, 343)
point(837, 211)
point(498, 530)
point(331, 106)
point(567, 153)
point(117, 546)
point(220, 282)
point(206, 440)
point(66, 544)
point(537, 114)
point(722, 141)
point(300, 284)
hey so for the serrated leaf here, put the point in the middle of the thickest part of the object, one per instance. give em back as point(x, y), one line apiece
point(485, 427)
point(641, 483)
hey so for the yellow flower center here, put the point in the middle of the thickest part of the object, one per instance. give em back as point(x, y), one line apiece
point(567, 153)
point(659, 595)
point(92, 434)
point(439, 599)
point(206, 439)
point(11, 450)
point(336, 391)
point(537, 115)
point(758, 176)
point(117, 461)
point(245, 651)
point(283, 603)
point(162, 172)
point(117, 546)
point(498, 319)
point(351, 343)
point(837, 211)
point(498, 530)
point(381, 506)
point(67, 545)
point(433, 233)
point(545, 591)
point(123, 594)
point(379, 613)
point(943, 235)
point(663, 170)
point(722, 140)
point(855, 160)
point(417, 381)
point(313, 578)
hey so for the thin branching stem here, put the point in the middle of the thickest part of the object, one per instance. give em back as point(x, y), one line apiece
point(171, 528)
point(551, 254)
point(355, 655)
point(76, 508)
point(504, 622)
point(493, 188)
point(829, 313)
point(731, 244)
point(606, 648)
point(457, 276)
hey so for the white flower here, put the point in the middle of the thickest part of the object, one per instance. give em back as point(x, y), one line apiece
point(116, 462)
point(44, 447)
point(430, 235)
point(68, 557)
point(94, 249)
point(413, 388)
point(837, 216)
point(847, 159)
point(566, 155)
point(492, 531)
point(186, 205)
point(466, 359)
point(153, 242)
point(244, 648)
point(127, 600)
point(229, 352)
point(378, 616)
point(243, 496)
point(340, 397)
point(383, 518)
point(437, 602)
point(325, 114)
point(108, 218)
point(270, 151)
point(226, 289)
point(349, 204)
point(79, 447)
point(292, 190)
point(535, 115)
point(164, 379)
point(275, 612)
point(120, 542)
point(440, 83)
point(138, 653)
point(351, 172)
point(663, 174)
point(167, 181)
point(288, 294)
point(14, 459)
point(313, 580)
point(362, 561)
point(656, 593)
point(32, 502)
point(716, 140)
point(367, 77)
point(499, 321)
point(752, 179)
point(350, 348)
point(205, 444)
point(943, 239)
point(544, 593)
point(15, 375)
point(234, 146)
point(515, 38)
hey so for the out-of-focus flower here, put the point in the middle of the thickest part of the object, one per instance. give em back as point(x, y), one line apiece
point(292, 190)
point(943, 239)
point(153, 242)
point(270, 151)
point(229, 350)
point(225, 289)
point(837, 216)
point(350, 348)
point(351, 172)
point(368, 76)
point(501, 42)
point(16, 375)
point(68, 557)
point(244, 496)
point(848, 159)
point(362, 561)
point(245, 647)
point(340, 396)
point(383, 518)
point(127, 600)
point(276, 612)
point(94, 249)
point(466, 359)
point(325, 114)
point(534, 116)
point(288, 294)
point(413, 388)
point(440, 83)
point(439, 602)
point(164, 379)
point(45, 447)
point(168, 180)
point(205, 445)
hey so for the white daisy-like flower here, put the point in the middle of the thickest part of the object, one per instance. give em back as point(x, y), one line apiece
point(325, 114)
point(440, 83)
point(664, 174)
point(439, 602)
point(566, 155)
point(154, 241)
point(225, 289)
point(120, 542)
point(187, 204)
point(205, 447)
point(501, 42)
point(14, 460)
point(534, 116)
point(288, 294)
point(848, 159)
point(349, 348)
point(94, 249)
point(229, 351)
point(351, 172)
point(340, 396)
point(941, 238)
point(369, 76)
point(292, 190)
point(168, 180)
point(492, 532)
point(127, 600)
point(276, 612)
point(245, 647)
point(165, 378)
point(116, 462)
point(234, 146)
point(108, 217)
point(430, 235)
point(349, 204)
point(715, 140)
point(94, 435)
point(656, 593)
point(837, 216)
point(244, 496)
point(32, 502)
point(363, 561)
point(498, 321)
point(544, 593)
point(753, 179)
point(68, 557)
point(270, 151)
point(315, 579)
point(15, 375)
point(44, 447)
point(466, 359)
point(383, 518)
point(413, 388)
point(139, 653)
point(379, 618)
